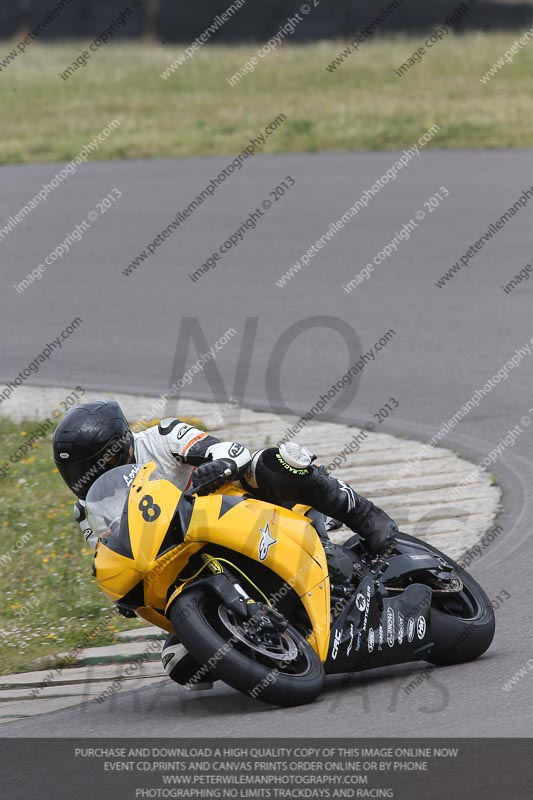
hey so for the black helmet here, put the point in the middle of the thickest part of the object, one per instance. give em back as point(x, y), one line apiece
point(89, 440)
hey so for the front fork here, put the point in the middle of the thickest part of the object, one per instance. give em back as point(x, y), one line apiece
point(227, 588)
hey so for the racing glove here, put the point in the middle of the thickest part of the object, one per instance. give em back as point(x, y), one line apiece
point(214, 471)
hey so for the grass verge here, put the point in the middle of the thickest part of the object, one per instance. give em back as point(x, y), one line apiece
point(362, 105)
point(50, 602)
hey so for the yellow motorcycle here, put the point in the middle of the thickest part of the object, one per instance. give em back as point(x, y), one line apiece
point(262, 600)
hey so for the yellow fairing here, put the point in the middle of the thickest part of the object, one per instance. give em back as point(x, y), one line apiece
point(297, 555)
point(282, 540)
point(148, 561)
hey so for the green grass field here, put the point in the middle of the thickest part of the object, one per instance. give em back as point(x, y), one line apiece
point(50, 602)
point(363, 105)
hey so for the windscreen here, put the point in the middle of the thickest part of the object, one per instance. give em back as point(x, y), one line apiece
point(107, 497)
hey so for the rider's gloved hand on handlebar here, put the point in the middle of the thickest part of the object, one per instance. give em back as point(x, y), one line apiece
point(380, 538)
point(373, 524)
point(213, 471)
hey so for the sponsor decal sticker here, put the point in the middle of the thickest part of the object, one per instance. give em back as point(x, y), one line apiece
point(371, 639)
point(235, 450)
point(182, 431)
point(401, 628)
point(350, 643)
point(380, 637)
point(266, 542)
point(410, 629)
point(336, 643)
point(367, 608)
point(421, 627)
point(390, 627)
point(130, 477)
point(360, 602)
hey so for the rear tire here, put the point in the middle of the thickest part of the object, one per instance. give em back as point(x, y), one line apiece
point(457, 639)
point(462, 625)
point(196, 620)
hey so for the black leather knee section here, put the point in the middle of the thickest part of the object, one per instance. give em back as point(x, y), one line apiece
point(315, 488)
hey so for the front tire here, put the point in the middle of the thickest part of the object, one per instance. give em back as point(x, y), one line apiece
point(199, 624)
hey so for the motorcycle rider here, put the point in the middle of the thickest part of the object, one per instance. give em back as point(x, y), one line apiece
point(96, 437)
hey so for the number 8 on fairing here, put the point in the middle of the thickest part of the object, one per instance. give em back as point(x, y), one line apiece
point(150, 510)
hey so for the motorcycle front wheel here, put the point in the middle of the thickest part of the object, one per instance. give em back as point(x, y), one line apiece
point(281, 669)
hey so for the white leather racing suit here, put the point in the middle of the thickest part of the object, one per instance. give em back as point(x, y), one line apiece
point(177, 448)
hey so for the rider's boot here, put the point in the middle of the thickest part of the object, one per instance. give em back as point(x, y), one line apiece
point(182, 668)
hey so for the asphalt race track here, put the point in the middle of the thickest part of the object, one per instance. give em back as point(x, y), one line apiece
point(447, 343)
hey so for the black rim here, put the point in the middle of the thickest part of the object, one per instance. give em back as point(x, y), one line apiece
point(461, 605)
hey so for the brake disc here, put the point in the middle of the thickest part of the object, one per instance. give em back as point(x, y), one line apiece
point(284, 650)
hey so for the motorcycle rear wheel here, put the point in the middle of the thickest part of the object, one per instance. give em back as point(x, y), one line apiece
point(200, 627)
point(462, 624)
